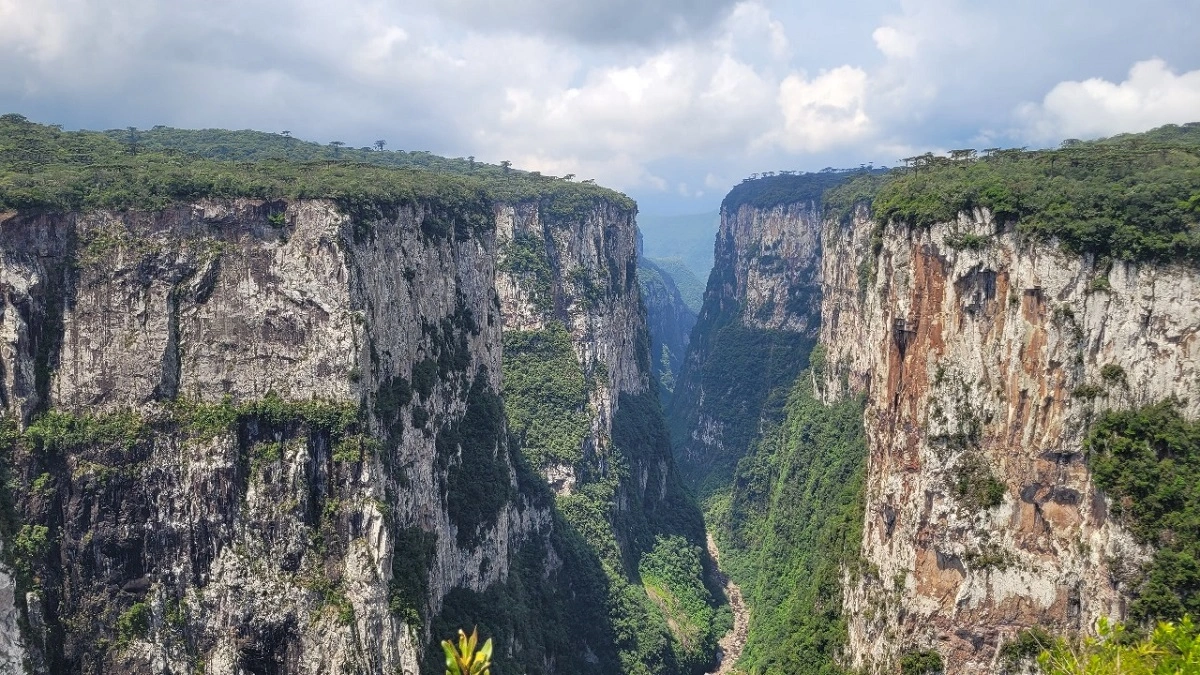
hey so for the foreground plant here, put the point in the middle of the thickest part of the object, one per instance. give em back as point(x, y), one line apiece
point(1173, 649)
point(463, 659)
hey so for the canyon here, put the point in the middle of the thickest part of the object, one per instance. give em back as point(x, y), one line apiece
point(931, 390)
point(285, 418)
point(250, 435)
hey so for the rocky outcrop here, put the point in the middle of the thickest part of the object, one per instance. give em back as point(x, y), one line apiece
point(760, 317)
point(276, 433)
point(983, 366)
point(12, 647)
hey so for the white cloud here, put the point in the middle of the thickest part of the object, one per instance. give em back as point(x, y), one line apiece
point(824, 112)
point(1152, 95)
point(695, 92)
point(894, 43)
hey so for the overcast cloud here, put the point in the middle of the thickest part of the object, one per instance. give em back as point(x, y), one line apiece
point(671, 101)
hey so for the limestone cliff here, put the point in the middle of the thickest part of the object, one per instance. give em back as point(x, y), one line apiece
point(670, 323)
point(267, 437)
point(983, 366)
point(760, 317)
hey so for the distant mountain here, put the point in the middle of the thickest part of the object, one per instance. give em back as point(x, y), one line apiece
point(690, 286)
point(689, 238)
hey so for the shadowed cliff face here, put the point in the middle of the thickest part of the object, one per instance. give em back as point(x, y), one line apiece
point(983, 370)
point(760, 319)
point(670, 323)
point(266, 437)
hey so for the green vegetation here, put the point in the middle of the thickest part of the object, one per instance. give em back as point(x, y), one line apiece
point(413, 551)
point(1172, 649)
point(476, 459)
point(786, 188)
point(545, 396)
point(29, 545)
point(63, 432)
point(463, 659)
point(925, 662)
point(594, 614)
point(1112, 374)
point(746, 378)
point(1148, 461)
point(526, 256)
point(133, 623)
point(790, 526)
point(673, 574)
point(43, 167)
point(1024, 648)
point(975, 485)
point(1131, 197)
point(968, 241)
point(207, 420)
point(561, 617)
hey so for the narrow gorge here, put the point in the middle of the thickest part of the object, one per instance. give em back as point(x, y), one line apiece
point(914, 402)
point(283, 415)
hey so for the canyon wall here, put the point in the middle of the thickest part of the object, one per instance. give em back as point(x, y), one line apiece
point(983, 359)
point(267, 436)
point(761, 315)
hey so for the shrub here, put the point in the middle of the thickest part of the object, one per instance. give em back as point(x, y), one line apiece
point(1172, 649)
point(924, 662)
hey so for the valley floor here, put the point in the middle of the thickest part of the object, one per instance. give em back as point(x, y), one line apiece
point(731, 644)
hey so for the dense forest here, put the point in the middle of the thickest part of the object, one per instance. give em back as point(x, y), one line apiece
point(1132, 197)
point(44, 167)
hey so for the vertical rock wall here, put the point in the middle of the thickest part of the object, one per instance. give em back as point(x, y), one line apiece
point(984, 367)
point(762, 306)
point(347, 364)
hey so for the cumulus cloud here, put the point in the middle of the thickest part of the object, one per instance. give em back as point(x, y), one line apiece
point(894, 43)
point(825, 111)
point(641, 95)
point(1151, 96)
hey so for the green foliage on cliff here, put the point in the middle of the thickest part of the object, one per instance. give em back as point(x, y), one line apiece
point(476, 459)
point(43, 167)
point(60, 432)
point(206, 420)
point(1172, 649)
point(771, 191)
point(672, 573)
point(790, 526)
point(924, 662)
point(1148, 461)
point(1131, 197)
point(545, 396)
point(746, 377)
point(525, 256)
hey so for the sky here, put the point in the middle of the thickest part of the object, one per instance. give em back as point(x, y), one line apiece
point(670, 101)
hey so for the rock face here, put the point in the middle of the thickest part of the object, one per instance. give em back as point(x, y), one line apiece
point(982, 370)
point(760, 317)
point(669, 320)
point(271, 422)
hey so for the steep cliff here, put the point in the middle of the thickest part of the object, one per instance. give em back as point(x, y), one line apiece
point(985, 368)
point(1020, 331)
point(760, 318)
point(670, 323)
point(270, 435)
